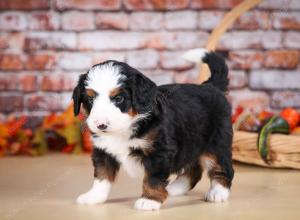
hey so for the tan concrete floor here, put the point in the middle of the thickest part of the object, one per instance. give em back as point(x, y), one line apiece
point(46, 188)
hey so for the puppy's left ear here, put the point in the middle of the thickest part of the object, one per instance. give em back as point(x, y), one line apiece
point(143, 93)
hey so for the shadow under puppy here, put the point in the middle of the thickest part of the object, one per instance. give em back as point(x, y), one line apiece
point(161, 130)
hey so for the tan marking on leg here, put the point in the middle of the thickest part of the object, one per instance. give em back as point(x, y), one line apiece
point(158, 193)
point(215, 171)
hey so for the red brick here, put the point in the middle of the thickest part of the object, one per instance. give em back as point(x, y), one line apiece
point(208, 20)
point(75, 20)
point(8, 82)
point(146, 21)
point(50, 41)
point(292, 39)
point(114, 40)
point(3, 41)
point(11, 103)
point(143, 59)
point(11, 62)
point(88, 4)
point(274, 79)
point(44, 21)
point(103, 56)
point(160, 77)
point(283, 99)
point(282, 5)
point(181, 20)
point(12, 41)
point(66, 97)
point(240, 40)
point(40, 62)
point(27, 83)
point(209, 4)
point(24, 4)
point(246, 59)
point(286, 59)
point(49, 102)
point(253, 20)
point(13, 21)
point(3, 117)
point(237, 79)
point(249, 99)
point(58, 83)
point(173, 60)
point(155, 4)
point(187, 76)
point(177, 40)
point(74, 61)
point(286, 20)
point(112, 21)
point(271, 39)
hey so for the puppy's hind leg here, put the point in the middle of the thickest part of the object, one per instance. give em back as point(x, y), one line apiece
point(220, 179)
point(186, 181)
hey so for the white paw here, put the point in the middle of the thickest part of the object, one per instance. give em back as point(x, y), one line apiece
point(97, 194)
point(178, 187)
point(147, 204)
point(217, 193)
point(90, 198)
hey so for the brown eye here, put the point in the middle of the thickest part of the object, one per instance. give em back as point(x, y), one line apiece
point(118, 99)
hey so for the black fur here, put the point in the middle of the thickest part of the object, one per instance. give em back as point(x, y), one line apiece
point(79, 96)
point(106, 165)
point(219, 69)
point(196, 120)
point(190, 120)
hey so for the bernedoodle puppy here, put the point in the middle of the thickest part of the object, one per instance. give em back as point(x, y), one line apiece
point(178, 129)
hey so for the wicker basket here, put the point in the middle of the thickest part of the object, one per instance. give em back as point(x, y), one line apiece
point(285, 149)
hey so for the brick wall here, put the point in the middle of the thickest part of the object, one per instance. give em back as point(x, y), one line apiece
point(45, 44)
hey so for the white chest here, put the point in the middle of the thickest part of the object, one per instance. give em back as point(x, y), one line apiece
point(119, 146)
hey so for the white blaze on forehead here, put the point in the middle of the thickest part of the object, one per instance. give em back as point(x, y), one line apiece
point(104, 78)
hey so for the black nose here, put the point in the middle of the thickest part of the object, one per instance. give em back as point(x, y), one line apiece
point(102, 127)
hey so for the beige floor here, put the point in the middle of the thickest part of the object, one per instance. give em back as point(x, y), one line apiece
point(46, 188)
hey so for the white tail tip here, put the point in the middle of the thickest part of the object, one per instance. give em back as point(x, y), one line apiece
point(195, 55)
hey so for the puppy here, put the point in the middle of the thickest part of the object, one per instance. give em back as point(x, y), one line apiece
point(177, 129)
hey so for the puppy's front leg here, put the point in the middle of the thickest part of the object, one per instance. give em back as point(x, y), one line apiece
point(106, 168)
point(154, 193)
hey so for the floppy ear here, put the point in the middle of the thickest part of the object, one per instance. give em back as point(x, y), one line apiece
point(143, 93)
point(77, 94)
point(76, 99)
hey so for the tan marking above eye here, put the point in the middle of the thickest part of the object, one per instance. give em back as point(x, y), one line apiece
point(90, 93)
point(114, 92)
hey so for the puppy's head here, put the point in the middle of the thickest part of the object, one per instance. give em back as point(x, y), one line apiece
point(114, 95)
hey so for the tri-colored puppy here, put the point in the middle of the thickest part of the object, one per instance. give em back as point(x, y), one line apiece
point(159, 130)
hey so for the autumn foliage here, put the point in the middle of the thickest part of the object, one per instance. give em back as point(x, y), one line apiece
point(58, 132)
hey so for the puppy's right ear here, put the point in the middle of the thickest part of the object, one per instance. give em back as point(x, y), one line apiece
point(77, 94)
point(76, 99)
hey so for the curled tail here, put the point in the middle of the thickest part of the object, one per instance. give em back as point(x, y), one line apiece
point(216, 64)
